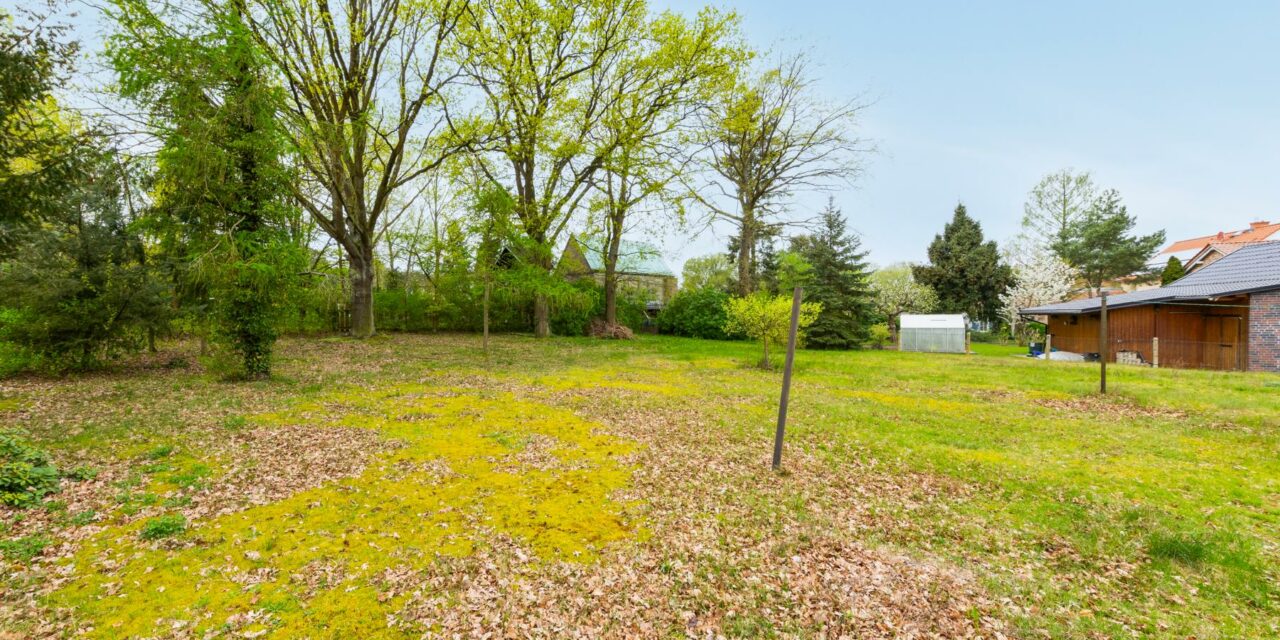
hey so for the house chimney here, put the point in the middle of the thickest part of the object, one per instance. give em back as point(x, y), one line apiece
point(1221, 235)
point(1259, 224)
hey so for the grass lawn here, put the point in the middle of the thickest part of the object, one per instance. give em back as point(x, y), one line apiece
point(411, 485)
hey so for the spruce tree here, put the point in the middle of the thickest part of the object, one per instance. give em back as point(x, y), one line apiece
point(838, 280)
point(965, 270)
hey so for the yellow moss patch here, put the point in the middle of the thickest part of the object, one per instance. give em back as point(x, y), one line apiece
point(638, 375)
point(308, 564)
point(911, 402)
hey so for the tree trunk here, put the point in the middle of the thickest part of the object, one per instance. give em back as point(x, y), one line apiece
point(362, 292)
point(488, 286)
point(541, 316)
point(611, 279)
point(764, 361)
point(746, 240)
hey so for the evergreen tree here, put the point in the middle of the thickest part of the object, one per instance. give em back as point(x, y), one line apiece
point(1101, 245)
point(964, 270)
point(220, 209)
point(839, 281)
point(1173, 270)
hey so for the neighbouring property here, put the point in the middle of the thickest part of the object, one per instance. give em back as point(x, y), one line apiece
point(1224, 315)
point(933, 333)
point(1204, 250)
point(640, 267)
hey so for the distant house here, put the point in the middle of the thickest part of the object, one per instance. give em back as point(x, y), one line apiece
point(1223, 315)
point(1190, 249)
point(640, 266)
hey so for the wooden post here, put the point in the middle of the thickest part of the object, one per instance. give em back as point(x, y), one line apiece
point(1104, 348)
point(1048, 346)
point(786, 379)
point(1155, 351)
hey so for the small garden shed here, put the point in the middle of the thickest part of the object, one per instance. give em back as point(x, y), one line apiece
point(934, 333)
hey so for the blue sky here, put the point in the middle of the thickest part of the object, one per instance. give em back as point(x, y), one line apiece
point(1175, 104)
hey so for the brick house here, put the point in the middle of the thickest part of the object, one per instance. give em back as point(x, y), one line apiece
point(1224, 315)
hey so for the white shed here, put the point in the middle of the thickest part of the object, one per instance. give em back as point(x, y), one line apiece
point(934, 333)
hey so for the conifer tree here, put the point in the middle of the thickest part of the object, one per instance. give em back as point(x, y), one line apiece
point(965, 270)
point(839, 281)
point(1173, 270)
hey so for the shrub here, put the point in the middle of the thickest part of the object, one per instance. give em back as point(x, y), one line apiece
point(879, 335)
point(699, 313)
point(163, 527)
point(26, 473)
point(768, 319)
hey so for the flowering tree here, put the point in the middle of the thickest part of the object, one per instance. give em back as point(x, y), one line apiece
point(896, 292)
point(1044, 279)
point(767, 319)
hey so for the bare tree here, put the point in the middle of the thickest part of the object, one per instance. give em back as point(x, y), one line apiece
point(767, 139)
point(366, 84)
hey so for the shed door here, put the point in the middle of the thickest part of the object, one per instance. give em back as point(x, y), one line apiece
point(1222, 342)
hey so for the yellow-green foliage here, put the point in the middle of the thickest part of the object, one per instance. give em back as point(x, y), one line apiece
point(457, 481)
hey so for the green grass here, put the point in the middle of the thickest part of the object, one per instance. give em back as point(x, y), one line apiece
point(1153, 511)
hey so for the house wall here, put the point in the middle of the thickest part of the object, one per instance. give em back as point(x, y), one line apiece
point(657, 288)
point(1196, 337)
point(1264, 331)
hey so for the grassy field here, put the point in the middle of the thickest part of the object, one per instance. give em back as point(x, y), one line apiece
point(413, 485)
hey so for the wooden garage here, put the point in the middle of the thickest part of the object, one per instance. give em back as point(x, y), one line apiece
point(1224, 316)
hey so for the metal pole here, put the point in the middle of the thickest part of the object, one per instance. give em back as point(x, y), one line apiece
point(1105, 348)
point(786, 379)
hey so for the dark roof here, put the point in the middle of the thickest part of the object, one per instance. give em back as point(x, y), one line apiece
point(1255, 267)
point(639, 258)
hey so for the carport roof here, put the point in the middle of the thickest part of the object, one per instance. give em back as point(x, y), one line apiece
point(1251, 269)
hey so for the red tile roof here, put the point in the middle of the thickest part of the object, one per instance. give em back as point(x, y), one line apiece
point(1257, 232)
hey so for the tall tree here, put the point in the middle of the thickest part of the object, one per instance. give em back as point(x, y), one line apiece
point(965, 270)
point(895, 292)
point(1102, 246)
point(367, 84)
point(39, 154)
point(672, 72)
point(839, 281)
point(1057, 202)
point(220, 204)
point(766, 139)
point(546, 70)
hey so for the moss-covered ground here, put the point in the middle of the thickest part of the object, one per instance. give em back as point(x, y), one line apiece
point(415, 485)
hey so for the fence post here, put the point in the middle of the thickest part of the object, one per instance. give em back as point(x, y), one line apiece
point(1155, 351)
point(786, 379)
point(1048, 346)
point(1104, 347)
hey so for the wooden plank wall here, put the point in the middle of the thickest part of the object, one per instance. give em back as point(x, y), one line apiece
point(1209, 337)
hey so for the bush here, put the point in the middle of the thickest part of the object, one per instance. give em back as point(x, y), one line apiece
point(26, 473)
point(700, 313)
point(163, 527)
point(768, 319)
point(879, 335)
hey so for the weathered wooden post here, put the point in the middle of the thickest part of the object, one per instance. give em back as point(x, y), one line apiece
point(786, 379)
point(1104, 346)
point(1048, 346)
point(1155, 351)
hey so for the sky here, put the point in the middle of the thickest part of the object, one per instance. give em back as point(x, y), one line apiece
point(1174, 104)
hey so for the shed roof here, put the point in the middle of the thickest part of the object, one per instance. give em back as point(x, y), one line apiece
point(1251, 268)
point(634, 257)
point(933, 321)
